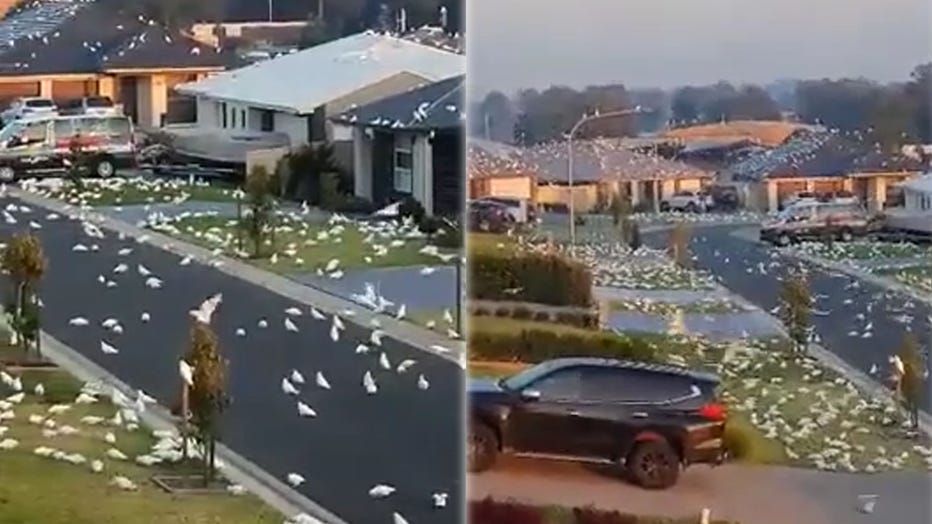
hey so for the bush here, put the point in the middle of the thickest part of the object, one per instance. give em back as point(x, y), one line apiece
point(488, 511)
point(534, 345)
point(521, 313)
point(503, 312)
point(452, 235)
point(542, 316)
point(330, 197)
point(411, 208)
point(542, 278)
point(356, 205)
point(480, 312)
point(429, 225)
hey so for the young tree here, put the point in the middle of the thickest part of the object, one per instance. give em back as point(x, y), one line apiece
point(912, 378)
point(77, 163)
point(679, 245)
point(25, 262)
point(260, 188)
point(207, 398)
point(796, 309)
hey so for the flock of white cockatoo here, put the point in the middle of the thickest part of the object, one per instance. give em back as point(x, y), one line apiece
point(113, 191)
point(128, 410)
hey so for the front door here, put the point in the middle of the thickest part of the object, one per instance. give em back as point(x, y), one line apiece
point(546, 425)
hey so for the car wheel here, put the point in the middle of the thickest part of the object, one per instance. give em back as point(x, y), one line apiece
point(691, 207)
point(784, 240)
point(664, 206)
point(484, 226)
point(846, 235)
point(104, 168)
point(654, 465)
point(481, 447)
point(7, 174)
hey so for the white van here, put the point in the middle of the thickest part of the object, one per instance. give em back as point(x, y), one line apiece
point(816, 220)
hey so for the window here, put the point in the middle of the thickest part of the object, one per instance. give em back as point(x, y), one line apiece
point(266, 120)
point(40, 103)
point(242, 118)
point(233, 118)
point(63, 128)
point(563, 384)
point(35, 132)
point(631, 385)
point(403, 166)
point(223, 115)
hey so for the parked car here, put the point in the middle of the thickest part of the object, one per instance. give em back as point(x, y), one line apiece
point(520, 209)
point(90, 105)
point(42, 145)
point(651, 420)
point(817, 220)
point(28, 106)
point(725, 197)
point(688, 201)
point(488, 217)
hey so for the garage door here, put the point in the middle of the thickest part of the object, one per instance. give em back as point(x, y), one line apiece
point(11, 90)
point(73, 89)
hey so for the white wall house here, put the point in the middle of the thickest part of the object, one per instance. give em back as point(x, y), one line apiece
point(287, 100)
point(916, 213)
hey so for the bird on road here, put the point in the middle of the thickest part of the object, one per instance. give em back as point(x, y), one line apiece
point(108, 349)
point(305, 411)
point(381, 491)
point(369, 383)
point(186, 373)
point(422, 383)
point(440, 500)
point(297, 377)
point(295, 479)
point(206, 310)
point(290, 326)
point(321, 381)
point(288, 388)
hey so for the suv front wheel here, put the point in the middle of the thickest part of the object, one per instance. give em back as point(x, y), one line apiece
point(481, 447)
point(654, 464)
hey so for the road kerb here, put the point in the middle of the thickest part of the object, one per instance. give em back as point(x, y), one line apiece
point(236, 468)
point(415, 336)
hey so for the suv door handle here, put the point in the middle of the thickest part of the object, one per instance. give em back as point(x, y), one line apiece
point(639, 414)
point(573, 413)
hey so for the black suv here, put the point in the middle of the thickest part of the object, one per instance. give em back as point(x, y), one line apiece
point(649, 419)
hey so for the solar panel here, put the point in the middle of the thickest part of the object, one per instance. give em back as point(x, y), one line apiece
point(36, 20)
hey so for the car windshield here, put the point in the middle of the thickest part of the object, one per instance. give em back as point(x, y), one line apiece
point(39, 102)
point(11, 130)
point(98, 101)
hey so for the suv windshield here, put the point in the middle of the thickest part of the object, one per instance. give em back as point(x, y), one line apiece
point(98, 101)
point(39, 102)
point(11, 130)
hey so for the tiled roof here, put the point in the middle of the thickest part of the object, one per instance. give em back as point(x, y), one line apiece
point(485, 158)
point(766, 133)
point(605, 159)
point(821, 153)
point(437, 105)
point(95, 38)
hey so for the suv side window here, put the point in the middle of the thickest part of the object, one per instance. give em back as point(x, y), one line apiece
point(34, 133)
point(563, 384)
point(633, 385)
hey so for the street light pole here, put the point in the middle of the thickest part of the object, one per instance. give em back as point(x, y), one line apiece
point(569, 153)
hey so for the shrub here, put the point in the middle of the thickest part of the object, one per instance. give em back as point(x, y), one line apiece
point(430, 225)
point(305, 167)
point(488, 511)
point(533, 345)
point(521, 313)
point(451, 236)
point(352, 204)
point(543, 278)
point(503, 312)
point(480, 312)
point(411, 208)
point(330, 197)
point(542, 316)
point(796, 307)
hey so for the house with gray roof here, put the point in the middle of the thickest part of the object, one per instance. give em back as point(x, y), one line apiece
point(411, 144)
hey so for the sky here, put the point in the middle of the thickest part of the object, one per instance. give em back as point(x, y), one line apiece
point(513, 44)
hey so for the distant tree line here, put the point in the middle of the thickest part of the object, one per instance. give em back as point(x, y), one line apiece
point(890, 114)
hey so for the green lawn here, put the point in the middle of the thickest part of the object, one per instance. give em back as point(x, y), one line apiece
point(37, 489)
point(918, 277)
point(303, 246)
point(788, 408)
point(135, 191)
point(863, 250)
point(489, 242)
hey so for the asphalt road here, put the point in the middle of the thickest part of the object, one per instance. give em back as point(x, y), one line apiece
point(745, 494)
point(402, 436)
point(736, 261)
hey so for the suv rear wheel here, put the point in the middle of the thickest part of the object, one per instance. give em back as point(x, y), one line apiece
point(7, 174)
point(784, 240)
point(104, 167)
point(654, 464)
point(846, 235)
point(481, 447)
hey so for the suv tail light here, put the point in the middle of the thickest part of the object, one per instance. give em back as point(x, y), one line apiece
point(713, 411)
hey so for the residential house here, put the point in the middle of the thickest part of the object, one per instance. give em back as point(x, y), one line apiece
point(68, 50)
point(287, 101)
point(494, 169)
point(411, 144)
point(823, 162)
point(766, 133)
point(916, 213)
point(604, 167)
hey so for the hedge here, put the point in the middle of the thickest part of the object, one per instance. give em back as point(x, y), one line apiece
point(532, 345)
point(490, 511)
point(542, 278)
point(580, 319)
